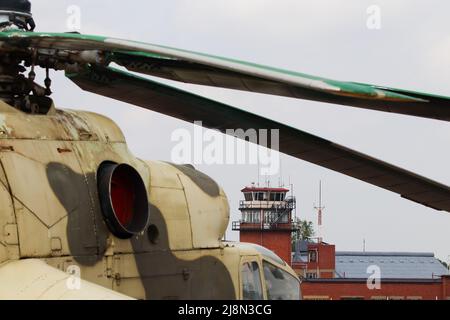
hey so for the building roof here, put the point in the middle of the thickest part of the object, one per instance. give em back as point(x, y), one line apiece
point(358, 280)
point(256, 189)
point(393, 265)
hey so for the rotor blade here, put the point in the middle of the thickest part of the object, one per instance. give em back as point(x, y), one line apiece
point(186, 106)
point(203, 69)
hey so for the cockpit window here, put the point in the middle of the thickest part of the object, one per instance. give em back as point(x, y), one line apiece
point(251, 281)
point(280, 284)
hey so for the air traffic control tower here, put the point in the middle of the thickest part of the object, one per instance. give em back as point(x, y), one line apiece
point(266, 219)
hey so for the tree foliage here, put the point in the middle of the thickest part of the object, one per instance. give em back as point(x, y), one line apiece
point(305, 231)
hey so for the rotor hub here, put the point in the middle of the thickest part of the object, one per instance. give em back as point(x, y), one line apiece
point(10, 79)
point(16, 5)
point(16, 14)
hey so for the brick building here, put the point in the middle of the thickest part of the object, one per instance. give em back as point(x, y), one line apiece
point(353, 275)
point(313, 260)
point(390, 289)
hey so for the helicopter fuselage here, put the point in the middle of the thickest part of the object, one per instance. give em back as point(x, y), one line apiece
point(52, 211)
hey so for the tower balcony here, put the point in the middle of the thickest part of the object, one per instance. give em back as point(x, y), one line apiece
point(267, 226)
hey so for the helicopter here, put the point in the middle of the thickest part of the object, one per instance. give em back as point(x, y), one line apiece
point(75, 199)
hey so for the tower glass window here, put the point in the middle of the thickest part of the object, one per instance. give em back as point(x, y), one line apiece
point(260, 196)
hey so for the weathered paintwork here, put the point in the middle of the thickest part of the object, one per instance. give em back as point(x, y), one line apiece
point(50, 211)
point(200, 68)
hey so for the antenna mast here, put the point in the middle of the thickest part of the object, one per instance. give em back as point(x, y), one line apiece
point(319, 214)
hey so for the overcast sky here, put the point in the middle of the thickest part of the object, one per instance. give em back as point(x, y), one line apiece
point(325, 38)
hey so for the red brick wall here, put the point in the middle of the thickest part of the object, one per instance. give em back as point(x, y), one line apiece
point(277, 241)
point(326, 274)
point(337, 290)
point(325, 257)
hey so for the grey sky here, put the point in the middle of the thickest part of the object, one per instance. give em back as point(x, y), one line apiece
point(326, 38)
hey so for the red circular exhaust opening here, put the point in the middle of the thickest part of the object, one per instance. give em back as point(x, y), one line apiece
point(123, 199)
point(123, 195)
